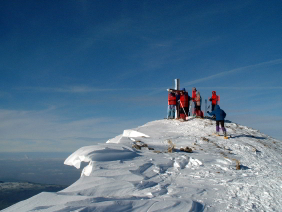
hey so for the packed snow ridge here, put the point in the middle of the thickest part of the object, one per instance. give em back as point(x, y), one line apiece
point(169, 165)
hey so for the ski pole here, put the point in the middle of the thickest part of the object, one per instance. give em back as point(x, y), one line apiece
point(183, 108)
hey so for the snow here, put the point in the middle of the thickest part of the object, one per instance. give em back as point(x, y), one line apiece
point(144, 169)
point(133, 134)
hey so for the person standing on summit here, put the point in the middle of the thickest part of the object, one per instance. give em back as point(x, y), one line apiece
point(194, 90)
point(171, 105)
point(214, 99)
point(198, 101)
point(184, 102)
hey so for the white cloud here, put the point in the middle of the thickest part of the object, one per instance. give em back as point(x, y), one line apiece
point(244, 88)
point(226, 73)
point(66, 89)
point(45, 131)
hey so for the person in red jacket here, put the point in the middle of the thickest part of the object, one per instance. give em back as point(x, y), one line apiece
point(184, 102)
point(171, 105)
point(194, 95)
point(214, 100)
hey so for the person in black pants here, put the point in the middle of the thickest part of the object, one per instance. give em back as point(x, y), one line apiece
point(220, 116)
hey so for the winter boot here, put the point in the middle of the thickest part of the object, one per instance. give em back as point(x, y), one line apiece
point(217, 131)
point(224, 132)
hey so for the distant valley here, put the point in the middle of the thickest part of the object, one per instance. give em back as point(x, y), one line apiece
point(13, 192)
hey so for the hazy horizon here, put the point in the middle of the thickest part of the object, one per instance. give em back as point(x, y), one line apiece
point(37, 167)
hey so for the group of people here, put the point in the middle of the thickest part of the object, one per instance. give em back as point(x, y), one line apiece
point(180, 101)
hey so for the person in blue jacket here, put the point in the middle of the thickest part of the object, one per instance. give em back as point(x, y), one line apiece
point(220, 116)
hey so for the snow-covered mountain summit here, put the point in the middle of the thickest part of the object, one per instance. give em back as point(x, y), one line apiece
point(152, 168)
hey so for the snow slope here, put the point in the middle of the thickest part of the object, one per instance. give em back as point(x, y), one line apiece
point(144, 170)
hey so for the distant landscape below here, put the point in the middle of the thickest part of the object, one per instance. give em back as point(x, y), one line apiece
point(37, 167)
point(13, 192)
point(43, 170)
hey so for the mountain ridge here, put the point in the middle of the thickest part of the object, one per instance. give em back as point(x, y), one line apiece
point(237, 174)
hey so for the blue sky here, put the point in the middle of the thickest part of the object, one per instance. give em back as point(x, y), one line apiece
point(77, 72)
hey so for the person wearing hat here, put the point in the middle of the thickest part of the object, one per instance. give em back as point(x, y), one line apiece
point(171, 105)
point(184, 102)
